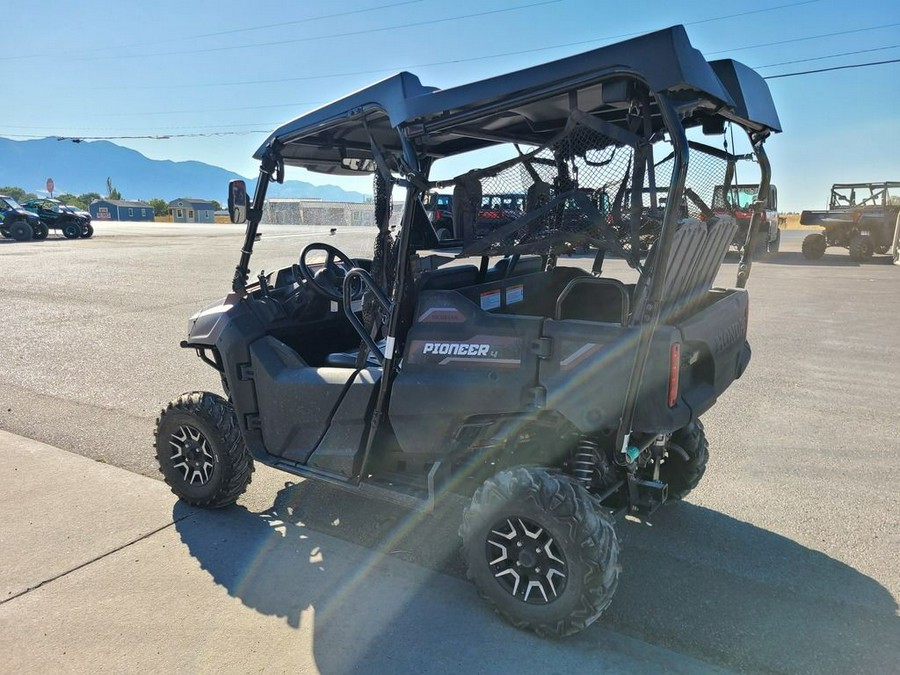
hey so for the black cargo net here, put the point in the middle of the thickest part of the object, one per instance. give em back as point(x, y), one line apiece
point(570, 193)
point(585, 188)
point(710, 174)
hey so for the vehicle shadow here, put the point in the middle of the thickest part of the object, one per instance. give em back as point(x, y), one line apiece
point(836, 259)
point(46, 242)
point(698, 582)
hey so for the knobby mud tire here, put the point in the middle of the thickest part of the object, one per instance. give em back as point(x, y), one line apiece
point(814, 246)
point(583, 532)
point(214, 418)
point(682, 475)
point(861, 247)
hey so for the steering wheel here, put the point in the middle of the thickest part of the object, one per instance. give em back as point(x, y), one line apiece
point(328, 281)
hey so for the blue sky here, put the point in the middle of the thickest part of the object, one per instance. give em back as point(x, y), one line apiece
point(190, 67)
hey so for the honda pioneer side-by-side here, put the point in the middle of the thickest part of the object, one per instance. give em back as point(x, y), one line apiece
point(553, 396)
point(861, 217)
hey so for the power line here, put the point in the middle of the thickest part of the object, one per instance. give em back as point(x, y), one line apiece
point(826, 70)
point(470, 59)
point(281, 24)
point(315, 38)
point(211, 110)
point(803, 39)
point(79, 139)
point(243, 30)
point(829, 56)
point(159, 137)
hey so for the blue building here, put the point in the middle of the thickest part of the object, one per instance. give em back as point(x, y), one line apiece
point(184, 210)
point(116, 209)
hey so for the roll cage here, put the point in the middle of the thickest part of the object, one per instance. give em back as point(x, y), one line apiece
point(582, 127)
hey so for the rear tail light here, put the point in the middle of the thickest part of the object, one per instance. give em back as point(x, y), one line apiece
point(674, 370)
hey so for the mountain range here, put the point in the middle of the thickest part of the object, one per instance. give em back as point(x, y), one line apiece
point(83, 167)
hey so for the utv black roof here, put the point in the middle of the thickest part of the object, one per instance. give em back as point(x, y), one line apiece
point(527, 106)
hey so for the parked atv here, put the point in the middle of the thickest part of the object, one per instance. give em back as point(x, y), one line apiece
point(18, 223)
point(555, 398)
point(861, 217)
point(56, 215)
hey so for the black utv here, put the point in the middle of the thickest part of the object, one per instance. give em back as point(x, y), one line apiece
point(553, 396)
point(18, 223)
point(56, 215)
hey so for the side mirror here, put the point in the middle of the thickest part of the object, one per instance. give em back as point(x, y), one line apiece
point(237, 201)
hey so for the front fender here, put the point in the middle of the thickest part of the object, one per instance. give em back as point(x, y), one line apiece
point(205, 327)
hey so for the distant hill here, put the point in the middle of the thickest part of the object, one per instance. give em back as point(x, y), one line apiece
point(77, 168)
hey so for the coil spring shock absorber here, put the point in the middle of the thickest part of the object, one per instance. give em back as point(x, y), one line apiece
point(584, 460)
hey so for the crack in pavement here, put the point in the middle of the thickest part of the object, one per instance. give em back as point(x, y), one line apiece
point(142, 537)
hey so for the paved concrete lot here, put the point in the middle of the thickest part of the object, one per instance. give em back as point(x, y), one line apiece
point(784, 559)
point(163, 588)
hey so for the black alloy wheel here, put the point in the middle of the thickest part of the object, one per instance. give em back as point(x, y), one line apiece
point(87, 230)
point(526, 561)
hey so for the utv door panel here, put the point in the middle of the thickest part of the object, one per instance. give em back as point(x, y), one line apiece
point(460, 361)
point(346, 432)
point(295, 400)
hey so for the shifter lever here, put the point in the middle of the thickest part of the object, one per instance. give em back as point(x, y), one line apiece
point(263, 284)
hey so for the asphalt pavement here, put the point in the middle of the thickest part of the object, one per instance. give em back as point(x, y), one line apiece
point(783, 559)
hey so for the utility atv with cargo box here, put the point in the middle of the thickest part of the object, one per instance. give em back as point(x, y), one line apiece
point(553, 396)
point(861, 217)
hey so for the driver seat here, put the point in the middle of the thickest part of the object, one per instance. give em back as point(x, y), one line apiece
point(348, 359)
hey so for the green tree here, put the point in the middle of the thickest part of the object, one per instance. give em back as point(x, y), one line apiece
point(16, 193)
point(111, 192)
point(72, 200)
point(160, 206)
point(88, 197)
point(216, 205)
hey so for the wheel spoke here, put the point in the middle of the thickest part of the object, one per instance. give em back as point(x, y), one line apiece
point(533, 535)
point(183, 466)
point(537, 585)
point(549, 577)
point(507, 535)
point(515, 576)
point(503, 553)
point(550, 553)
